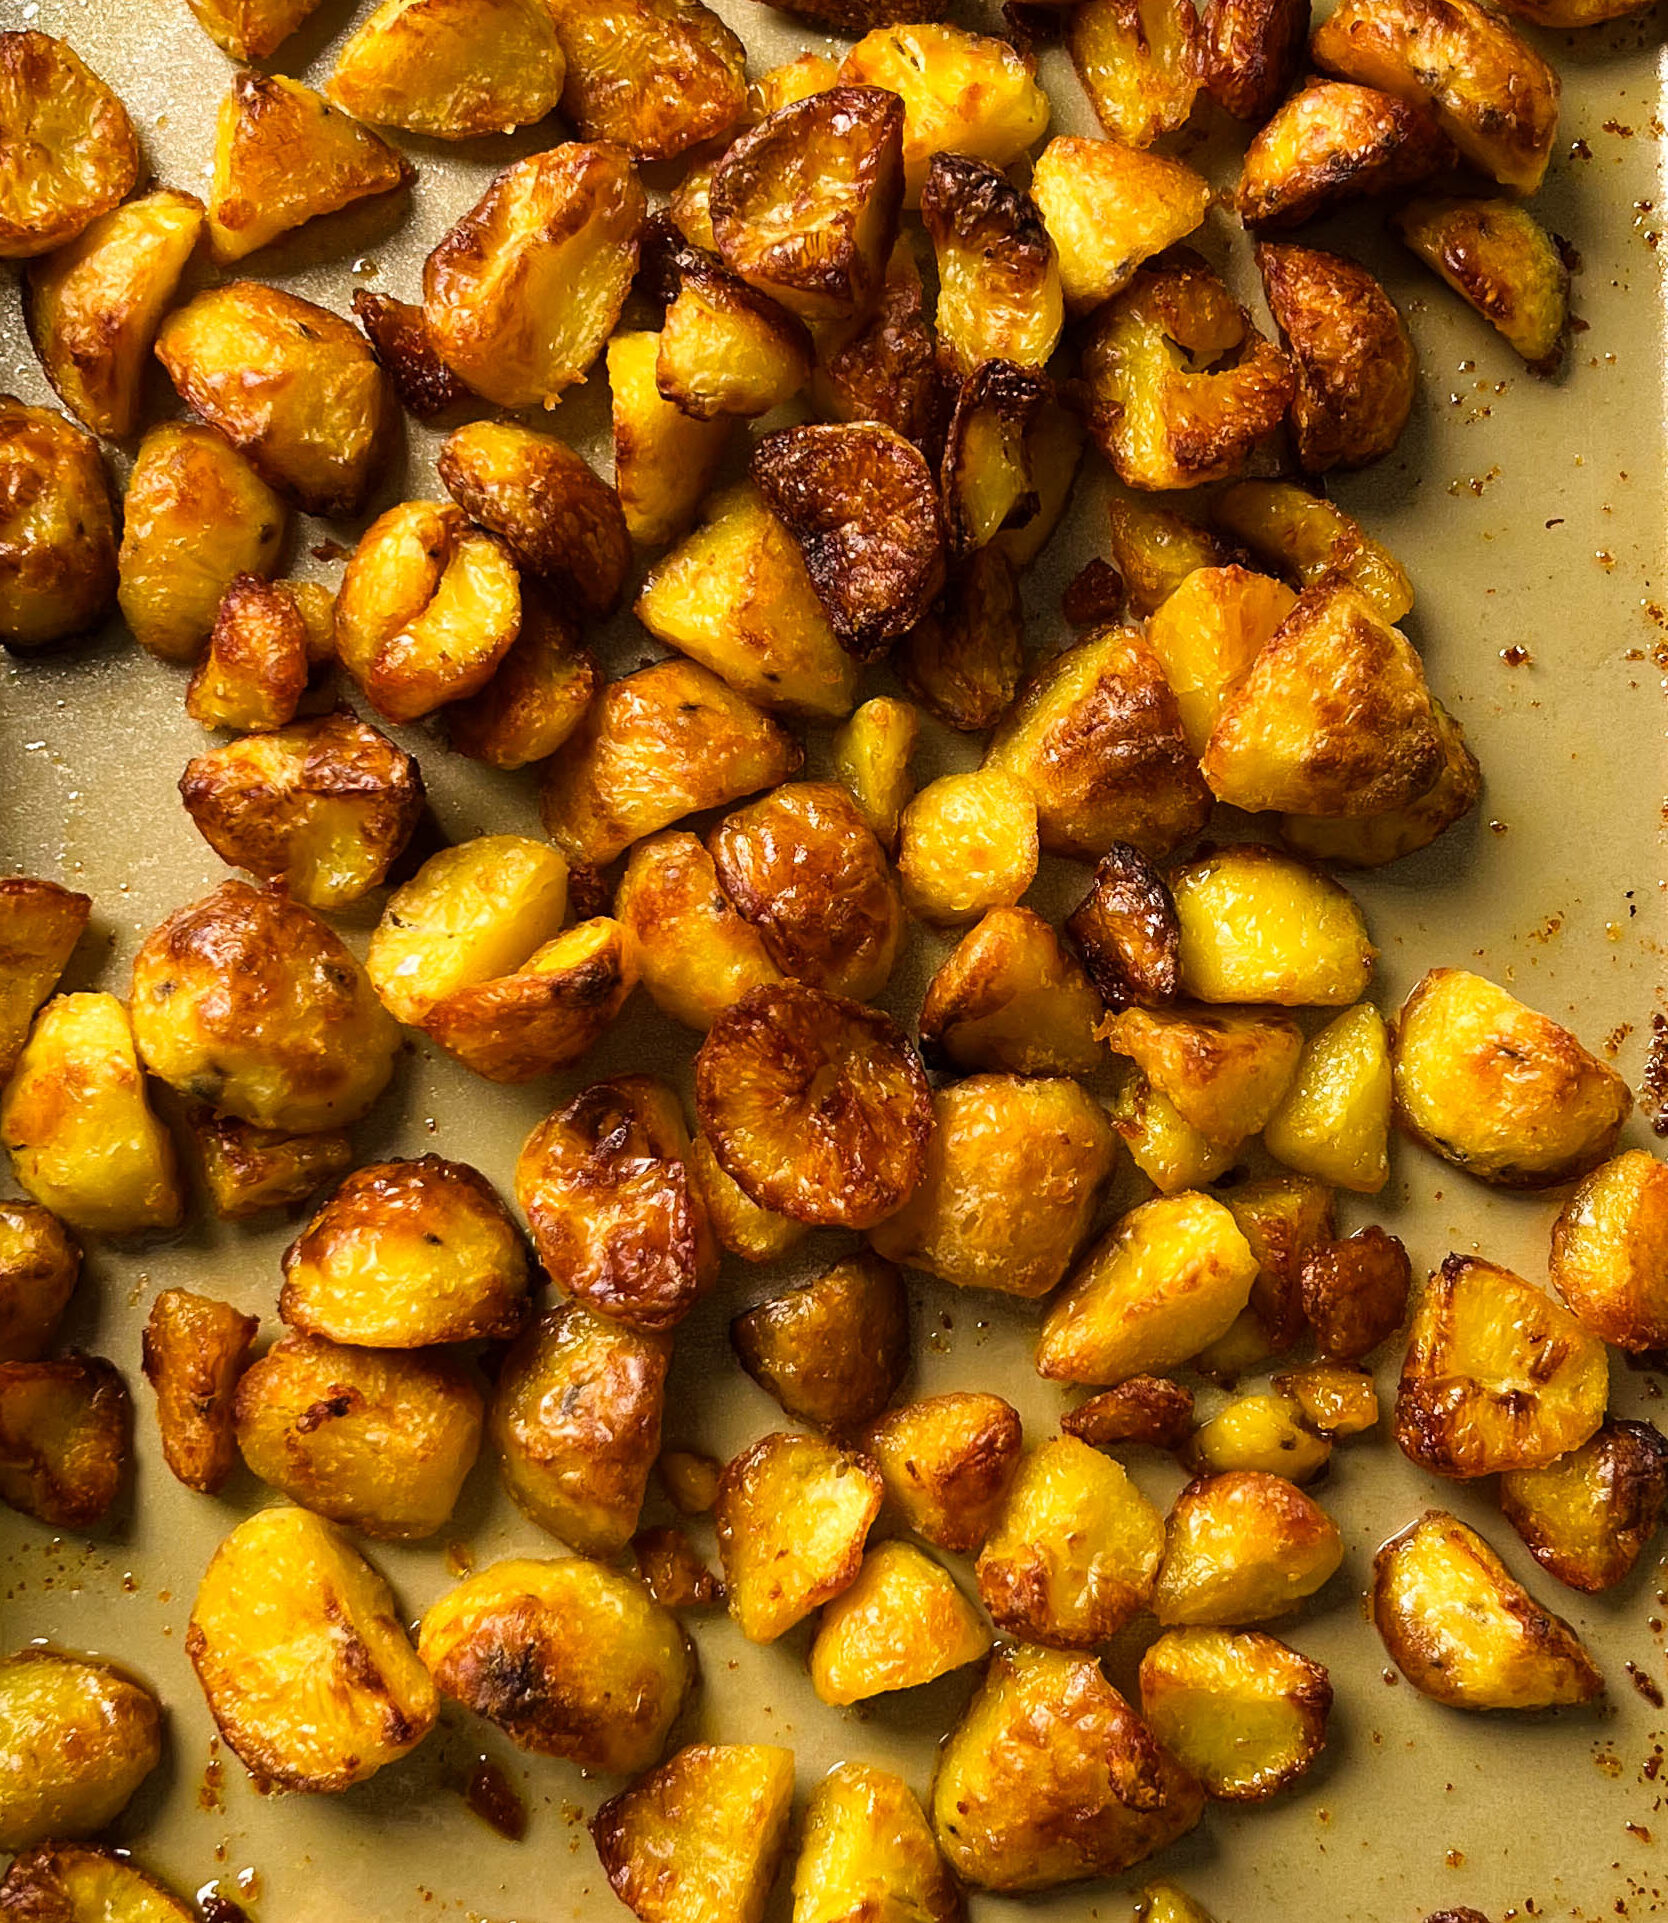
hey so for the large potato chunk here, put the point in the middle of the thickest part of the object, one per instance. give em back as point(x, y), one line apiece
point(947, 1463)
point(569, 1659)
point(1126, 930)
point(39, 1263)
point(1223, 1073)
point(40, 924)
point(1246, 1714)
point(656, 77)
point(1109, 207)
point(538, 693)
point(1588, 1516)
point(1464, 1633)
point(999, 295)
point(1500, 1091)
point(901, 1624)
point(71, 151)
point(663, 457)
point(1496, 1376)
point(58, 571)
point(76, 1740)
point(1208, 632)
point(793, 1514)
point(270, 641)
point(695, 953)
point(1050, 1777)
point(1139, 64)
point(834, 1351)
point(250, 29)
point(1610, 1252)
point(1257, 926)
point(1330, 143)
point(867, 1852)
point(298, 1644)
point(1010, 997)
point(1335, 1119)
point(1310, 540)
point(66, 1429)
point(67, 1883)
point(701, 1836)
point(194, 1352)
point(250, 1003)
point(1242, 1547)
point(248, 1169)
point(79, 1128)
point(1500, 260)
point(451, 69)
point(1369, 841)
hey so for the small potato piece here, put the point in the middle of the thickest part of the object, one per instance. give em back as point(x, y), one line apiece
point(1242, 1547)
point(1249, 52)
point(1283, 1217)
point(1013, 1173)
point(1588, 1516)
point(1155, 550)
point(58, 564)
point(726, 348)
point(1332, 1400)
point(67, 1883)
point(1170, 1152)
point(1126, 930)
point(965, 661)
point(1224, 1074)
point(1496, 1376)
point(576, 1421)
point(1500, 1091)
point(1331, 143)
point(656, 77)
point(194, 1351)
point(690, 1480)
point(249, 1169)
point(1167, 1279)
point(701, 1836)
point(834, 1351)
point(1500, 260)
point(695, 954)
point(967, 843)
point(672, 1570)
point(1609, 1258)
point(1053, 454)
point(1010, 997)
point(40, 1262)
point(985, 478)
point(1208, 633)
point(903, 1622)
point(1464, 1633)
point(1072, 1556)
point(537, 696)
point(298, 1644)
point(1369, 841)
point(451, 69)
point(40, 924)
point(268, 639)
point(1257, 926)
point(1108, 207)
point(871, 755)
point(1138, 61)
point(250, 29)
point(71, 150)
point(1165, 1903)
point(999, 296)
point(793, 1513)
point(663, 457)
point(1355, 1293)
point(867, 1852)
point(77, 1738)
point(947, 1463)
point(400, 339)
point(293, 386)
point(796, 79)
point(569, 1658)
point(80, 1130)
point(1335, 1119)
point(1147, 1409)
point(1050, 1777)
point(1263, 1432)
point(248, 1002)
point(1244, 1713)
point(887, 369)
point(1309, 540)
point(741, 1226)
point(66, 1433)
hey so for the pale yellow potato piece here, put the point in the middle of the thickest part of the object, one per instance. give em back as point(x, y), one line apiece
point(663, 457)
point(1207, 634)
point(1108, 207)
point(1334, 1122)
point(1265, 1432)
point(1009, 996)
point(967, 843)
point(1171, 1153)
point(1610, 1251)
point(902, 1623)
point(451, 69)
point(77, 1738)
point(1246, 1714)
point(866, 1852)
point(695, 954)
point(871, 754)
point(1138, 65)
point(40, 925)
point(1259, 926)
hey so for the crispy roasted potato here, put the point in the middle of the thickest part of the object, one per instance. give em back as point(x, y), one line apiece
point(1332, 1400)
point(40, 924)
point(690, 1480)
point(1053, 453)
point(1108, 207)
point(72, 151)
point(867, 1851)
point(1265, 1432)
point(796, 79)
point(871, 755)
point(1249, 52)
point(77, 1738)
point(1242, 1547)
point(1500, 260)
point(72, 1883)
point(832, 1351)
point(1369, 841)
point(663, 457)
point(79, 1127)
point(1146, 1408)
point(400, 339)
point(1588, 1516)
point(537, 695)
point(967, 843)
point(655, 77)
point(1329, 143)
point(1311, 541)
point(298, 1644)
point(451, 69)
point(1257, 926)
point(58, 567)
point(40, 1261)
point(1155, 550)
point(1009, 997)
point(269, 641)
point(947, 1463)
point(250, 29)
point(1168, 1150)
point(887, 369)
point(672, 1570)
point(1283, 1217)
point(1610, 1252)
point(695, 954)
point(1224, 1074)
point(1050, 1777)
point(1500, 1091)
point(249, 1169)
point(1138, 61)
point(1244, 1713)
point(902, 1623)
point(1094, 595)
point(1464, 1633)
point(194, 1351)
point(964, 661)
point(248, 1002)
point(1334, 1121)
point(725, 347)
point(985, 478)
point(66, 1435)
point(999, 295)
point(741, 1226)
point(1208, 633)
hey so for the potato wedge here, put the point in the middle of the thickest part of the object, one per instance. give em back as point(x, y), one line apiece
point(1609, 1258)
point(66, 1438)
point(1147, 1409)
point(1370, 841)
point(74, 154)
point(832, 1351)
point(947, 1463)
point(271, 641)
point(655, 77)
point(194, 1351)
point(250, 29)
point(871, 756)
point(1310, 541)
point(401, 341)
point(451, 69)
point(1009, 997)
point(999, 292)
point(1109, 207)
point(248, 1169)
point(1334, 1121)
point(40, 1261)
point(40, 924)
point(867, 1851)
point(1155, 549)
point(726, 348)
point(1587, 1517)
point(1138, 61)
point(695, 954)
point(1208, 633)
point(1169, 1151)
point(1264, 1432)
point(903, 1623)
point(1241, 1548)
point(72, 1883)
point(1330, 143)
point(1244, 1713)
point(1500, 260)
point(663, 457)
point(77, 1738)
point(1224, 1074)
point(1257, 926)
point(965, 660)
point(58, 567)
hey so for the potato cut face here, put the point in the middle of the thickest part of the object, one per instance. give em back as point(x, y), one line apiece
point(793, 1514)
point(78, 1884)
point(1053, 454)
point(1155, 549)
point(250, 29)
point(1169, 1151)
point(871, 755)
point(968, 843)
point(1073, 1554)
point(76, 152)
point(964, 662)
point(1500, 260)
point(1332, 142)
point(400, 339)
point(999, 290)
point(655, 77)
point(833, 1351)
point(1051, 1777)
point(40, 1261)
point(249, 1169)
point(1370, 841)
point(194, 1352)
point(298, 1645)
point(1208, 633)
point(1167, 1280)
point(695, 954)
point(58, 565)
point(66, 1429)
point(1588, 1516)
point(1138, 61)
point(741, 1226)
point(1013, 1173)
point(40, 924)
point(1224, 1074)
point(1334, 1121)
point(1609, 1258)
point(947, 1463)
point(77, 1738)
point(1257, 926)
point(1241, 1548)
point(1464, 1633)
point(1309, 540)
point(725, 348)
point(266, 642)
point(1262, 1432)
point(1108, 207)
point(985, 478)
point(1126, 930)
point(1497, 1375)
point(663, 457)
point(1505, 1093)
point(537, 696)
point(569, 1658)
point(902, 1623)
point(866, 1850)
point(1009, 997)
point(1244, 1713)
point(1146, 1409)
point(1282, 1217)
point(451, 69)
point(702, 1835)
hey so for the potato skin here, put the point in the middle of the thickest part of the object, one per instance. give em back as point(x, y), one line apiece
point(672, 1570)
point(1249, 52)
point(1308, 539)
point(1126, 930)
point(1331, 142)
point(947, 1463)
point(40, 1261)
point(451, 69)
point(1587, 1517)
point(887, 370)
point(194, 1351)
point(1010, 997)
point(40, 924)
point(1224, 1073)
point(248, 1169)
point(268, 641)
point(1609, 1259)
point(1500, 260)
point(77, 1738)
point(57, 528)
point(865, 1841)
point(76, 152)
point(400, 339)
point(250, 29)
point(834, 1351)
point(66, 1436)
point(538, 693)
point(656, 77)
point(1355, 1293)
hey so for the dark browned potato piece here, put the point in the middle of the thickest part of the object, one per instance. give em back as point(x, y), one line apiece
point(888, 370)
point(401, 341)
point(1126, 930)
point(862, 16)
point(985, 478)
point(672, 1571)
point(537, 696)
point(66, 1429)
point(1329, 143)
point(249, 1169)
point(834, 1351)
point(1147, 1408)
point(1249, 52)
point(58, 572)
point(964, 661)
point(656, 77)
point(1588, 1517)
point(194, 1352)
point(40, 924)
point(71, 152)
point(1355, 1292)
point(999, 295)
point(40, 1261)
point(947, 1462)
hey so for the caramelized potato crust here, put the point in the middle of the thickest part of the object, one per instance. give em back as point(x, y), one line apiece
point(73, 151)
point(194, 1352)
point(58, 559)
point(66, 1435)
point(833, 1351)
point(947, 1463)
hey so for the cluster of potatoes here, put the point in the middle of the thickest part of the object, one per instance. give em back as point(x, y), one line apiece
point(1247, 656)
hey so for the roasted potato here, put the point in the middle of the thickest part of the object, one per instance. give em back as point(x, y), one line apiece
point(40, 924)
point(1283, 1217)
point(1165, 1903)
point(1155, 550)
point(1610, 1252)
point(672, 1570)
point(947, 1463)
point(248, 1169)
point(1244, 1713)
point(695, 954)
point(1050, 1777)
point(576, 1420)
point(1224, 1074)
point(1464, 1633)
point(568, 1658)
point(1500, 1091)
point(1108, 207)
point(58, 567)
point(1369, 841)
point(1009, 997)
point(1257, 926)
point(871, 755)
point(1332, 1400)
point(967, 843)
point(1496, 1375)
point(248, 1002)
point(1330, 143)
point(985, 478)
point(73, 154)
point(1208, 633)
point(537, 695)
point(1169, 1151)
point(999, 293)
point(1588, 1516)
point(451, 69)
point(1053, 453)
point(250, 29)
point(269, 642)
point(70, 1883)
point(1240, 1548)
point(400, 339)
point(1138, 61)
point(40, 1261)
point(902, 1623)
point(66, 1434)
point(194, 1352)
point(77, 1738)
point(663, 457)
point(1248, 53)
point(690, 1480)
point(1126, 930)
point(1500, 260)
point(867, 1851)
point(1146, 1409)
point(1265, 1432)
point(965, 660)
point(796, 79)
point(886, 367)
point(741, 1226)
point(298, 1644)
point(79, 1127)
point(833, 1351)
point(725, 347)
point(1310, 541)
point(1334, 1121)
point(656, 77)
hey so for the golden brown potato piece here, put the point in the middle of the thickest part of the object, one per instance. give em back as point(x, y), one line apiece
point(1009, 997)
point(1496, 1375)
point(66, 1433)
point(401, 341)
point(655, 77)
point(1224, 1074)
point(833, 1351)
point(964, 662)
point(725, 348)
point(1369, 841)
point(1242, 1547)
point(1500, 260)
point(1138, 61)
point(672, 1570)
point(1331, 143)
point(1147, 1409)
point(1282, 1217)
point(867, 1851)
point(248, 1002)
point(1012, 1176)
point(194, 1351)
point(1126, 930)
point(695, 954)
point(1156, 549)
point(1333, 1401)
point(1464, 1633)
point(817, 1106)
point(1244, 1713)
point(1050, 1777)
point(77, 1738)
point(1335, 1120)
point(1096, 736)
point(796, 79)
point(967, 843)
point(58, 571)
point(451, 69)
point(1180, 386)
point(73, 154)
point(537, 696)
point(1257, 926)
point(40, 924)
point(804, 206)
point(250, 29)
point(1500, 1091)
point(1310, 541)
point(663, 458)
point(79, 1127)
point(947, 1463)
point(40, 1261)
point(249, 1169)
point(1249, 52)
point(298, 1644)
point(1264, 1432)
point(741, 1226)
point(1610, 1252)
point(871, 756)
point(985, 478)
point(1108, 207)
point(576, 1421)
point(1169, 1151)
point(1486, 88)
point(1053, 453)
point(1208, 632)
point(999, 295)
point(904, 1622)
point(69, 1883)
point(270, 640)
point(690, 1480)
point(701, 1836)
point(1355, 1293)
point(887, 370)
point(1588, 1516)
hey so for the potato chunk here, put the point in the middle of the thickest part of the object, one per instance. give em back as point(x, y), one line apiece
point(1155, 550)
point(656, 77)
point(1168, 1150)
point(701, 1836)
point(58, 564)
point(1310, 540)
point(249, 1169)
point(672, 1569)
point(725, 347)
point(1146, 1409)
point(66, 1430)
point(400, 339)
point(967, 844)
point(1264, 1432)
point(71, 1883)
point(1610, 1252)
point(695, 953)
point(1332, 1400)
point(793, 1513)
point(867, 1851)
point(568, 1658)
point(902, 1623)
point(985, 479)
point(1257, 926)
point(1249, 52)
point(1500, 1091)
point(885, 368)
point(269, 642)
point(1050, 1777)
point(537, 696)
point(250, 29)
point(1108, 207)
point(1369, 841)
point(1500, 260)
point(194, 1351)
point(964, 662)
point(1224, 1074)
point(741, 1226)
point(1244, 1713)
point(833, 1351)
point(947, 1463)
point(1464, 1633)
point(77, 1738)
point(40, 1261)
point(1241, 1548)
point(451, 69)
point(871, 760)
point(663, 457)
point(576, 1420)
point(1010, 997)
point(40, 925)
point(1588, 1516)
point(999, 294)
point(1330, 143)
point(1496, 1375)
point(1126, 930)
point(72, 152)
point(1138, 61)
point(1208, 633)
point(1334, 1121)
point(79, 1127)
point(1355, 1293)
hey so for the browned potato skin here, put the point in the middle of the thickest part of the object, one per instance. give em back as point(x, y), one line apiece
point(1330, 142)
point(1355, 1293)
point(999, 282)
point(964, 662)
point(451, 69)
point(1588, 1517)
point(1147, 1408)
point(1008, 996)
point(986, 459)
point(672, 1571)
point(1249, 52)
point(249, 1169)
point(194, 1351)
point(834, 1351)
point(538, 695)
point(1125, 929)
point(40, 924)
point(888, 370)
point(79, 1737)
point(75, 152)
point(656, 77)
point(40, 1261)
point(269, 638)
point(400, 339)
point(947, 1463)
point(1500, 260)
point(66, 1430)
point(57, 528)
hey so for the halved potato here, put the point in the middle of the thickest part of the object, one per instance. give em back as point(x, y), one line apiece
point(695, 954)
point(999, 291)
point(451, 69)
point(1108, 207)
point(403, 345)
point(1224, 1074)
point(66, 1438)
point(1139, 63)
point(77, 1738)
point(663, 457)
point(1588, 1516)
point(40, 1261)
point(270, 641)
point(1609, 1257)
point(1257, 926)
point(964, 662)
point(1009, 997)
point(904, 1622)
point(1266, 1432)
point(1249, 52)
point(1334, 1121)
point(250, 29)
point(1242, 1547)
point(866, 1851)
point(1208, 632)
point(832, 1351)
point(1329, 143)
point(72, 152)
point(73, 1883)
point(194, 1351)
point(1500, 260)
point(871, 754)
point(40, 924)
point(1369, 841)
point(947, 1463)
point(248, 1169)
point(1310, 540)
point(655, 77)
point(1246, 1714)
point(1147, 1409)
point(58, 566)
